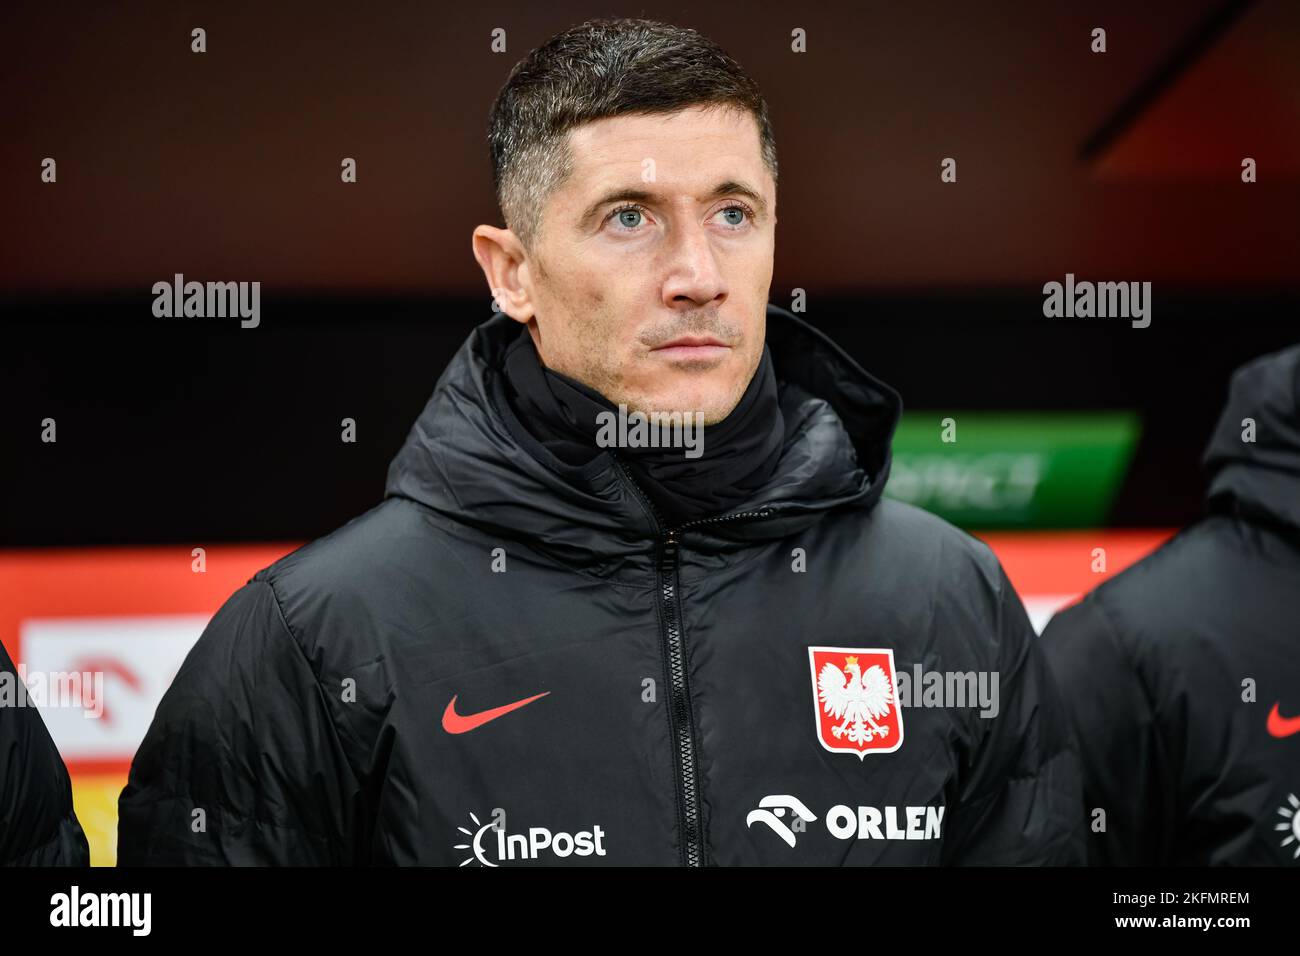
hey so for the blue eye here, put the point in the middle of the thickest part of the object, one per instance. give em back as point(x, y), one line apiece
point(740, 211)
point(629, 211)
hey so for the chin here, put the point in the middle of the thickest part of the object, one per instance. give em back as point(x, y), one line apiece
point(716, 403)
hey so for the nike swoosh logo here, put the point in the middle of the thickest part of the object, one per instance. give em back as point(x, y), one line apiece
point(1280, 726)
point(455, 723)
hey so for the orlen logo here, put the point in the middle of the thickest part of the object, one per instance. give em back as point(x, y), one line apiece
point(772, 809)
point(491, 845)
point(847, 823)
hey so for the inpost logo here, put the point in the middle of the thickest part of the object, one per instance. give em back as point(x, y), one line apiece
point(491, 845)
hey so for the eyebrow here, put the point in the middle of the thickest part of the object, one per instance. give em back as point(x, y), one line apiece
point(729, 187)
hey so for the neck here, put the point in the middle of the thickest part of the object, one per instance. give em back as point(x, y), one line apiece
point(724, 464)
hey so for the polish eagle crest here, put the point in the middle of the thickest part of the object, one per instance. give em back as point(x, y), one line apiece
point(855, 698)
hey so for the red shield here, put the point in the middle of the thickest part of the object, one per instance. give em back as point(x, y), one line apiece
point(855, 699)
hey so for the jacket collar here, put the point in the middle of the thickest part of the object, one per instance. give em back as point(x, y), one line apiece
point(468, 458)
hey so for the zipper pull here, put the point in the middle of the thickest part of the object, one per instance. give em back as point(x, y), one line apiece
point(668, 553)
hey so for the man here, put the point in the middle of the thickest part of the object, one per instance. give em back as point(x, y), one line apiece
point(37, 824)
point(1182, 673)
point(556, 643)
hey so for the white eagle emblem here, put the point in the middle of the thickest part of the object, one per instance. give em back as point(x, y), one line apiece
point(854, 689)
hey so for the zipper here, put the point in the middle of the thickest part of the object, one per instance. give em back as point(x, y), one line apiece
point(681, 722)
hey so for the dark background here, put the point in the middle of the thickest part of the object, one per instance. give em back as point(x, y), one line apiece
point(1123, 166)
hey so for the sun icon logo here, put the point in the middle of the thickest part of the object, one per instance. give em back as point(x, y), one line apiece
point(1291, 825)
point(475, 845)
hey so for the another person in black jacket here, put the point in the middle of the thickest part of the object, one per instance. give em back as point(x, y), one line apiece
point(37, 824)
point(1182, 673)
point(556, 642)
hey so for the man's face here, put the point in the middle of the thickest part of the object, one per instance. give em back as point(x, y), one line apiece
point(649, 281)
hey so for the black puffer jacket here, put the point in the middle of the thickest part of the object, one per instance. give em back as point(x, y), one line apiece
point(1183, 672)
point(37, 824)
point(500, 665)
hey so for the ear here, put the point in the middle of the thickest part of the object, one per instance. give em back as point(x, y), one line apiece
point(500, 255)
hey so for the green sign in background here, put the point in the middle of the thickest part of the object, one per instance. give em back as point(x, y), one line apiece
point(1013, 470)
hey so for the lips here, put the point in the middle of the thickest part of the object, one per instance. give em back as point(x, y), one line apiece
point(692, 341)
point(693, 347)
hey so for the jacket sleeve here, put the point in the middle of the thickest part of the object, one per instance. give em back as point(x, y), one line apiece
point(1020, 801)
point(242, 764)
point(1119, 745)
point(37, 824)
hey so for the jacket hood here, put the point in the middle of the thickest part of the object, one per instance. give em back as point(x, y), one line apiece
point(1260, 479)
point(469, 458)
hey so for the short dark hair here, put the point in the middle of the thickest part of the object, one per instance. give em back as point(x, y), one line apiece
point(597, 69)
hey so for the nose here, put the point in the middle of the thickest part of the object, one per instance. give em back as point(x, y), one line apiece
point(693, 272)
